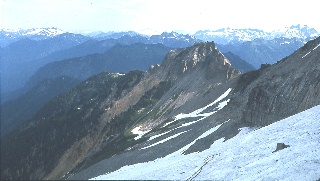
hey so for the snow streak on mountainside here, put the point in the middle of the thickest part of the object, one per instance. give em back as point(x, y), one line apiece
point(251, 155)
point(202, 113)
point(197, 113)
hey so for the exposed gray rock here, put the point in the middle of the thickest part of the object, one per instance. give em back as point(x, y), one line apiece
point(286, 88)
point(281, 146)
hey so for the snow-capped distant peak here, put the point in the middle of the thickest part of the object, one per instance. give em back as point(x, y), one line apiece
point(10, 30)
point(46, 32)
point(227, 35)
point(43, 31)
point(295, 31)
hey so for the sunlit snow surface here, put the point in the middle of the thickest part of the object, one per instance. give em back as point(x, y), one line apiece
point(197, 112)
point(164, 140)
point(247, 156)
point(140, 133)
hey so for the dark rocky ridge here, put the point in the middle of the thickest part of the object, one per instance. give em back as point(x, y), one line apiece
point(239, 64)
point(14, 112)
point(65, 129)
point(285, 88)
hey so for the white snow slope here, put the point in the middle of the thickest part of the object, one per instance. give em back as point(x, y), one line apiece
point(247, 156)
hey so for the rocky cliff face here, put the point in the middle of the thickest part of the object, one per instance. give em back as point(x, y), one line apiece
point(285, 88)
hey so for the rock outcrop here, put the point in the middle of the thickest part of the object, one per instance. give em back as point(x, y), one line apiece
point(202, 56)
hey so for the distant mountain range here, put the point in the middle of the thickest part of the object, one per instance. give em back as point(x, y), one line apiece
point(219, 36)
point(60, 76)
point(119, 58)
point(21, 59)
point(8, 36)
point(261, 51)
point(23, 52)
point(234, 36)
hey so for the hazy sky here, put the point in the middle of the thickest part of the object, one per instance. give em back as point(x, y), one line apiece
point(157, 15)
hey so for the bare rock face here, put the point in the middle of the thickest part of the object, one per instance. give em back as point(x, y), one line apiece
point(281, 146)
point(285, 88)
point(202, 56)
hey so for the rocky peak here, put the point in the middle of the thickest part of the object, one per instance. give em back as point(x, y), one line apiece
point(202, 56)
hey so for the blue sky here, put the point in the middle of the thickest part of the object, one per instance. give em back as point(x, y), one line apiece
point(150, 16)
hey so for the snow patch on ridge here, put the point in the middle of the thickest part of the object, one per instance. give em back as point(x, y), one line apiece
point(197, 112)
point(164, 140)
point(310, 51)
point(158, 135)
point(316, 47)
point(140, 133)
point(205, 115)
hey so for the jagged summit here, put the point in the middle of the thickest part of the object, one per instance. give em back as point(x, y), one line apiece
point(176, 35)
point(296, 31)
point(203, 56)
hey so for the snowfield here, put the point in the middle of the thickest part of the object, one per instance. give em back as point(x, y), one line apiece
point(247, 156)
